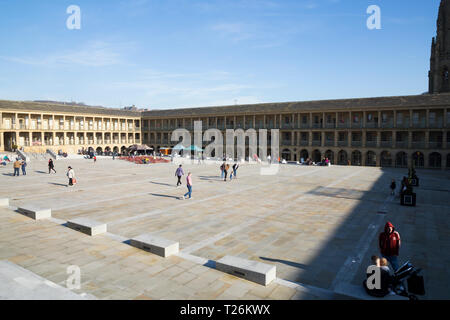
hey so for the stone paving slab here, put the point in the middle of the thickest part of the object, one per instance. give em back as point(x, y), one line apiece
point(307, 221)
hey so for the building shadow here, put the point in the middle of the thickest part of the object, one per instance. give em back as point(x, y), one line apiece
point(327, 269)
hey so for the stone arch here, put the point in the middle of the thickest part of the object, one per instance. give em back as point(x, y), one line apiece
point(418, 159)
point(435, 160)
point(401, 160)
point(99, 150)
point(371, 159)
point(116, 150)
point(386, 159)
point(356, 159)
point(304, 154)
point(316, 156)
point(90, 150)
point(286, 154)
point(342, 158)
point(330, 155)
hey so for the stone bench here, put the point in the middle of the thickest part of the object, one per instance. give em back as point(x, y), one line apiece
point(87, 226)
point(254, 271)
point(4, 202)
point(159, 246)
point(35, 212)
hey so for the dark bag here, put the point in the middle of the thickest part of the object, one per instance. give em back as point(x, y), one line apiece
point(416, 285)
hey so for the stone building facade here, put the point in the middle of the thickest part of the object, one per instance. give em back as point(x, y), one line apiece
point(386, 131)
point(40, 126)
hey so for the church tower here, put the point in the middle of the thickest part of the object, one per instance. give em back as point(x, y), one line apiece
point(440, 52)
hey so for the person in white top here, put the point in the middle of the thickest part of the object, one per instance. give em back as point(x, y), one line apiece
point(71, 176)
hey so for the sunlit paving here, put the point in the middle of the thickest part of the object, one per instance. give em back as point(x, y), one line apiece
point(319, 226)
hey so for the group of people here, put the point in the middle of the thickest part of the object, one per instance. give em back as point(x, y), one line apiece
point(20, 164)
point(225, 168)
point(309, 162)
point(389, 243)
point(179, 173)
point(405, 187)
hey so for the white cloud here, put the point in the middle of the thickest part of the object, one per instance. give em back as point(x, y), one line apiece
point(94, 54)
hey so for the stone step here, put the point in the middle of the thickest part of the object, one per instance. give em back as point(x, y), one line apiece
point(35, 212)
point(159, 246)
point(4, 202)
point(87, 226)
point(254, 271)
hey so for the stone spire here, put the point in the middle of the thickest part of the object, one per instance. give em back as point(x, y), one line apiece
point(440, 52)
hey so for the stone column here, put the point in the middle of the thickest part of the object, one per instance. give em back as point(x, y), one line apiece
point(409, 140)
point(427, 120)
point(444, 143)
point(310, 136)
point(30, 138)
point(378, 140)
point(379, 121)
point(395, 119)
point(394, 140)
point(336, 134)
point(310, 120)
point(350, 120)
point(349, 139)
point(364, 119)
point(427, 139)
point(364, 134)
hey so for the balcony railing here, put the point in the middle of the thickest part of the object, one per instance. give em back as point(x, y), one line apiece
point(418, 145)
point(371, 144)
point(329, 143)
point(401, 144)
point(371, 125)
point(317, 143)
point(386, 144)
point(342, 143)
point(330, 125)
point(435, 145)
point(343, 125)
point(387, 125)
point(356, 144)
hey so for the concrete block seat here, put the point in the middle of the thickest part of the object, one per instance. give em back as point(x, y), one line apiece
point(35, 212)
point(4, 202)
point(254, 271)
point(87, 226)
point(156, 245)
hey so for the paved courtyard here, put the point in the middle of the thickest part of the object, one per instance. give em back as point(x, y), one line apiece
point(317, 225)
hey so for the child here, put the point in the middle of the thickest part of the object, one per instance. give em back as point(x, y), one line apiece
point(393, 187)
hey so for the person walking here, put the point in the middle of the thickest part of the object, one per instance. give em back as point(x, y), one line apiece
point(17, 164)
point(179, 173)
point(235, 167)
point(95, 159)
point(389, 242)
point(189, 186)
point(222, 170)
point(71, 176)
point(51, 166)
point(227, 167)
point(24, 165)
point(393, 187)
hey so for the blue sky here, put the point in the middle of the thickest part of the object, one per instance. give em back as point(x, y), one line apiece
point(187, 53)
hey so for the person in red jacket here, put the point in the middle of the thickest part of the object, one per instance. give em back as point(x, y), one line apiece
point(390, 242)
